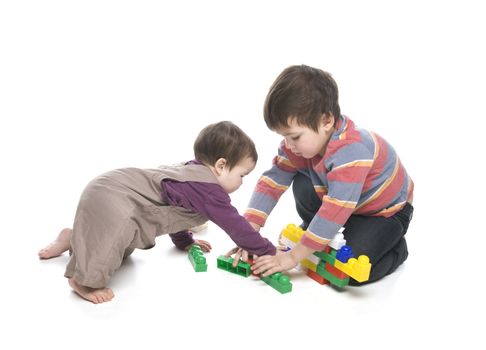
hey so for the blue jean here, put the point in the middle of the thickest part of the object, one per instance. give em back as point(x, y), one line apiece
point(381, 239)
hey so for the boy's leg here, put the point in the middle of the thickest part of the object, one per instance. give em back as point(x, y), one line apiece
point(306, 200)
point(381, 239)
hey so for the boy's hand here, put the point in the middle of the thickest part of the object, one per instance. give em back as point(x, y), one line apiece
point(269, 264)
point(205, 246)
point(239, 254)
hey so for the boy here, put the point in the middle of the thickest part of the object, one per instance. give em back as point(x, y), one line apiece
point(128, 208)
point(341, 175)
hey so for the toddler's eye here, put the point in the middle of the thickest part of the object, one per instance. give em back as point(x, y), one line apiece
point(295, 138)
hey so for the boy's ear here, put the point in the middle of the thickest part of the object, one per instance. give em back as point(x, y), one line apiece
point(220, 165)
point(327, 121)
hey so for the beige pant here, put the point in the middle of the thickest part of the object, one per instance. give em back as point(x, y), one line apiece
point(118, 212)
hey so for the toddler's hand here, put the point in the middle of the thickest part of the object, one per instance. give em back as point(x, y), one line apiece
point(239, 254)
point(205, 246)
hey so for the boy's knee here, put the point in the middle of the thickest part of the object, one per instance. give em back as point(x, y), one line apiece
point(304, 192)
point(387, 264)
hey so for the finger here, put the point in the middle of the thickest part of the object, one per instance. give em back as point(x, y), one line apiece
point(205, 247)
point(244, 256)
point(271, 271)
point(231, 252)
point(208, 245)
point(261, 263)
point(262, 266)
point(263, 269)
point(237, 258)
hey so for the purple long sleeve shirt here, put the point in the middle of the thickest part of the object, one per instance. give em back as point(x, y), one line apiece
point(212, 202)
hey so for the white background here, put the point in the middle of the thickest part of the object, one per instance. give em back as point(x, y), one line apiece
point(90, 86)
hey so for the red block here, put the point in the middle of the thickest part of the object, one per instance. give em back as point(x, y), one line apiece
point(333, 270)
point(316, 277)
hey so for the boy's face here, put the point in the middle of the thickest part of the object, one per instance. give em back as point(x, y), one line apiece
point(305, 142)
point(232, 179)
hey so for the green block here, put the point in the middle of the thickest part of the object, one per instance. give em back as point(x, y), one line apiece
point(338, 282)
point(279, 282)
point(327, 257)
point(226, 263)
point(198, 261)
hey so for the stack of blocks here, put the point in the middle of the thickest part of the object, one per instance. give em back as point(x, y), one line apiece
point(198, 261)
point(277, 281)
point(334, 265)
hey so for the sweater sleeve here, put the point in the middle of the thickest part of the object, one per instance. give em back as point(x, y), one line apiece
point(271, 185)
point(212, 202)
point(348, 169)
point(181, 239)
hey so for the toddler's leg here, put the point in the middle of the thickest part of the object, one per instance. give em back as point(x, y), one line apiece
point(58, 246)
point(95, 295)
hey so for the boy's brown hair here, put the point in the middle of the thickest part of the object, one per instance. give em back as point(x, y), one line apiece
point(224, 140)
point(303, 93)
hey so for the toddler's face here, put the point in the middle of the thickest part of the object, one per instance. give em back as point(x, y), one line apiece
point(305, 142)
point(232, 179)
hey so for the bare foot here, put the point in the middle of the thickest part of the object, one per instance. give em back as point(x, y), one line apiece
point(58, 246)
point(95, 295)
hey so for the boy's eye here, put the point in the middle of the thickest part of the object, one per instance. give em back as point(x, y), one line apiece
point(295, 138)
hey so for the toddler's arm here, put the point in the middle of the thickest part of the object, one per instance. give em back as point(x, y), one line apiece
point(182, 239)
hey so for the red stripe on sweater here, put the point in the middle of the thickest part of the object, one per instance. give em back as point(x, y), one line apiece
point(388, 194)
point(273, 193)
point(335, 213)
point(349, 174)
point(378, 164)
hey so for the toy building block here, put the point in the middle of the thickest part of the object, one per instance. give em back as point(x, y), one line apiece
point(309, 264)
point(344, 254)
point(335, 271)
point(316, 277)
point(313, 259)
point(358, 269)
point(198, 261)
point(334, 280)
point(286, 242)
point(292, 232)
point(338, 241)
point(335, 265)
point(226, 263)
point(279, 282)
point(327, 257)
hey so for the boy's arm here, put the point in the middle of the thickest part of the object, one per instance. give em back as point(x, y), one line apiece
point(281, 262)
point(348, 169)
point(271, 185)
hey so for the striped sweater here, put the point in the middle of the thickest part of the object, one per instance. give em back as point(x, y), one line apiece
point(360, 173)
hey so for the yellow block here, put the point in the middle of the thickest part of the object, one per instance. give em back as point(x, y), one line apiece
point(309, 264)
point(357, 269)
point(292, 232)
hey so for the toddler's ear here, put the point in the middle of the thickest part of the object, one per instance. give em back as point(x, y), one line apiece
point(220, 165)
